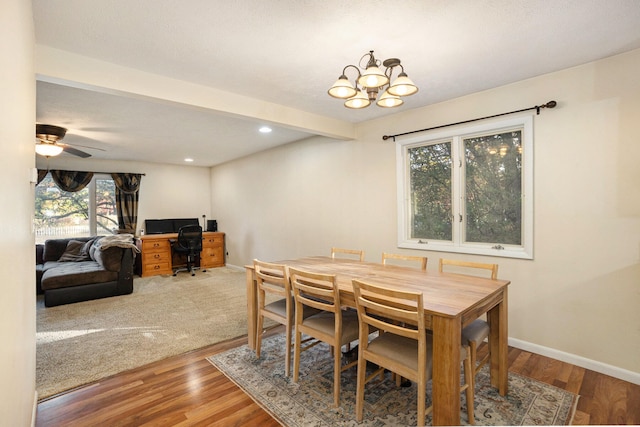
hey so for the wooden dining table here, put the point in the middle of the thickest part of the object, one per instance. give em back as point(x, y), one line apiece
point(451, 301)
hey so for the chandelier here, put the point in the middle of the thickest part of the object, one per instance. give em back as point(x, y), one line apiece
point(371, 81)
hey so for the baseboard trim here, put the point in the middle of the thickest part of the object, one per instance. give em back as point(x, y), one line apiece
point(235, 267)
point(583, 362)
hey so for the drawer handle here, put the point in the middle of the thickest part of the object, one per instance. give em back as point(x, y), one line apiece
point(156, 256)
point(155, 245)
point(156, 267)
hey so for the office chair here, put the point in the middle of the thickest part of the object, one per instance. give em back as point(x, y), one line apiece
point(189, 243)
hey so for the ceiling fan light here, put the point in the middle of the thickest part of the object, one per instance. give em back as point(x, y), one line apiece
point(373, 77)
point(48, 150)
point(361, 100)
point(342, 88)
point(402, 86)
point(389, 101)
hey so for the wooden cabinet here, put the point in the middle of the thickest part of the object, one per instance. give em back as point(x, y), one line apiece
point(157, 254)
point(212, 254)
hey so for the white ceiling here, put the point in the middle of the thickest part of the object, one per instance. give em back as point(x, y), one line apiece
point(290, 52)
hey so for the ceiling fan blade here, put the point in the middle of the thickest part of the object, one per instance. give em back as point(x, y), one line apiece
point(76, 152)
point(84, 146)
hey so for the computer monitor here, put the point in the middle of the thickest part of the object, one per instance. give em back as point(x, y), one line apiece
point(172, 225)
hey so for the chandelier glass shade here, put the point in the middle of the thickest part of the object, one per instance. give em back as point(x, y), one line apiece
point(372, 81)
point(48, 149)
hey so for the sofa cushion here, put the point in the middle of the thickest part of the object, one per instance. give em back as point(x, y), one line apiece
point(67, 274)
point(75, 252)
point(54, 248)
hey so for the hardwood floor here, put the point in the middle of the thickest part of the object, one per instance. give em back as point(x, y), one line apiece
point(186, 390)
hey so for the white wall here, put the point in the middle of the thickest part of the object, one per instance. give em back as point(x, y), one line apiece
point(17, 258)
point(578, 298)
point(166, 191)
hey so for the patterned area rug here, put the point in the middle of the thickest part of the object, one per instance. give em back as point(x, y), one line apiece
point(309, 403)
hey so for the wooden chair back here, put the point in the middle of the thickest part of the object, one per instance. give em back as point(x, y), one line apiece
point(273, 279)
point(492, 268)
point(349, 252)
point(420, 259)
point(320, 291)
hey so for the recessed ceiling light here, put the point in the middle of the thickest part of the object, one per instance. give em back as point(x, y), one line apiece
point(188, 159)
point(265, 129)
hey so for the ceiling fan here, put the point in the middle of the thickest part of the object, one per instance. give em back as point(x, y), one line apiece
point(49, 144)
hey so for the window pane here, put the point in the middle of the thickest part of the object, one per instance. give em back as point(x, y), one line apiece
point(59, 214)
point(430, 187)
point(493, 187)
point(106, 217)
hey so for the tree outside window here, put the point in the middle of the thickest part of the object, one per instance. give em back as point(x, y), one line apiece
point(88, 212)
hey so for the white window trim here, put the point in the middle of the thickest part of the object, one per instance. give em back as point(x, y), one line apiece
point(525, 251)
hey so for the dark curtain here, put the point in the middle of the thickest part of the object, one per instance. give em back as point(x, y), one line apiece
point(41, 174)
point(70, 181)
point(127, 191)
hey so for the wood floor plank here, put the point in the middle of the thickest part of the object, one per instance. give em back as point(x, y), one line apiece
point(186, 390)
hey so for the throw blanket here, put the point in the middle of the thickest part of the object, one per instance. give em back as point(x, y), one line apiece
point(119, 240)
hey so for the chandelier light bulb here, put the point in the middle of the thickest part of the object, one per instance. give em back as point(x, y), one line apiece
point(361, 100)
point(342, 88)
point(402, 86)
point(389, 101)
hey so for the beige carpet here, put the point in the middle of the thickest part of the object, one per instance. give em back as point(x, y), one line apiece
point(83, 342)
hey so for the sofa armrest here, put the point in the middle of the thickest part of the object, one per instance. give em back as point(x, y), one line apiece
point(39, 254)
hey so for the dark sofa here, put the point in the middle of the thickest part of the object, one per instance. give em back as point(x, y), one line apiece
point(80, 269)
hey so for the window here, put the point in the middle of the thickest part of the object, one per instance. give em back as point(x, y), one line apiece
point(468, 190)
point(88, 212)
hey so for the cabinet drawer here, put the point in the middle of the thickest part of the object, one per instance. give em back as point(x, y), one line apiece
point(155, 245)
point(212, 257)
point(154, 257)
point(209, 241)
point(156, 268)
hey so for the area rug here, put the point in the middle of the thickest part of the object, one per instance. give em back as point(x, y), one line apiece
point(164, 316)
point(309, 402)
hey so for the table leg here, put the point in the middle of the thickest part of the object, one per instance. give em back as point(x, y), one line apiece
point(446, 370)
point(498, 340)
point(252, 309)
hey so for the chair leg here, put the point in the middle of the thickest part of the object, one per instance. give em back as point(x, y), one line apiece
point(259, 334)
point(469, 374)
point(287, 357)
point(296, 356)
point(362, 368)
point(337, 374)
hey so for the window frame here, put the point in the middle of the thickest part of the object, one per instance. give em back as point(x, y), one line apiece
point(457, 135)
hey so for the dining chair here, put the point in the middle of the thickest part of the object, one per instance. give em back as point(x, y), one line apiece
point(348, 252)
point(273, 282)
point(476, 332)
point(332, 325)
point(403, 345)
point(421, 259)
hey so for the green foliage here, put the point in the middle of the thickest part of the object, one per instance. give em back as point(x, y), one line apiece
point(57, 208)
point(493, 187)
point(430, 169)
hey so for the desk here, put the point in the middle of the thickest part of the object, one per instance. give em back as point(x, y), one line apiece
point(157, 254)
point(451, 301)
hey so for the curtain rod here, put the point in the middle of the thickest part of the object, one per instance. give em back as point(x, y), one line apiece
point(550, 104)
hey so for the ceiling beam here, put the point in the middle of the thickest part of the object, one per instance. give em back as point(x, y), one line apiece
point(69, 69)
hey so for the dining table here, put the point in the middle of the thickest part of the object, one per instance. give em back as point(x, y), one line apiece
point(451, 302)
